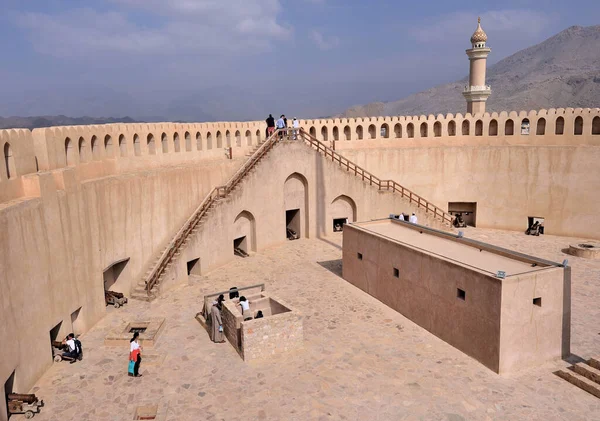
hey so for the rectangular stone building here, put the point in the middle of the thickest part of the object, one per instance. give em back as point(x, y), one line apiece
point(506, 309)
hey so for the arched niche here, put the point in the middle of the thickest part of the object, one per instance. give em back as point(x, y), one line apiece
point(342, 210)
point(244, 232)
point(295, 203)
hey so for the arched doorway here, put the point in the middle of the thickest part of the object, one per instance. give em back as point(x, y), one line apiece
point(295, 202)
point(244, 234)
point(342, 211)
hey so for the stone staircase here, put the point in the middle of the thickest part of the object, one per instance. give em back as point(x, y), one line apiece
point(585, 376)
point(148, 287)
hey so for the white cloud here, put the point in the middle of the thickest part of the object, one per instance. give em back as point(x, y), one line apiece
point(324, 43)
point(510, 23)
point(188, 26)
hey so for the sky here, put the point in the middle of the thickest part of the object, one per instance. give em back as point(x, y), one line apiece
point(203, 60)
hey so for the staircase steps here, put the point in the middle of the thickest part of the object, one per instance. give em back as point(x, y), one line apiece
point(157, 271)
point(584, 376)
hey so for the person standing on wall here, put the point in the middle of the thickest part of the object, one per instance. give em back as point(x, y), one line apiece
point(135, 356)
point(270, 125)
point(280, 125)
point(296, 126)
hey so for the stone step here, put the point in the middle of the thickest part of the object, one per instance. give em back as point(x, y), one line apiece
point(594, 362)
point(581, 382)
point(587, 371)
point(140, 297)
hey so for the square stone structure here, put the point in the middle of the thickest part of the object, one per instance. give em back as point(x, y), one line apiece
point(121, 335)
point(279, 331)
point(450, 286)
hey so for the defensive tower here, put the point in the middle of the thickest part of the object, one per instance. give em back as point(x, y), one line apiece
point(477, 92)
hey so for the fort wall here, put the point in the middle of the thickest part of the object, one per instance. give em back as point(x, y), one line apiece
point(75, 200)
point(55, 247)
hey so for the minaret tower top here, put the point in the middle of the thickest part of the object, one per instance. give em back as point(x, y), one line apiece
point(477, 92)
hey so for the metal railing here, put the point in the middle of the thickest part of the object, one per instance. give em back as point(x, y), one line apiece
point(366, 176)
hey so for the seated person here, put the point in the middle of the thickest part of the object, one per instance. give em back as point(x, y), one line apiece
point(74, 347)
point(337, 228)
point(459, 221)
point(233, 293)
point(534, 229)
point(259, 315)
point(245, 304)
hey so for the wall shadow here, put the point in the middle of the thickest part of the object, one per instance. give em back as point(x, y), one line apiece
point(333, 266)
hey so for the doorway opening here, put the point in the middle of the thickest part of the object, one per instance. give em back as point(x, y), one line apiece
point(8, 389)
point(468, 211)
point(240, 247)
point(292, 224)
point(76, 324)
point(54, 338)
point(193, 267)
point(338, 224)
point(113, 272)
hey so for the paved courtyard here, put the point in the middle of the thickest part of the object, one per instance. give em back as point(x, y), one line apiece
point(361, 360)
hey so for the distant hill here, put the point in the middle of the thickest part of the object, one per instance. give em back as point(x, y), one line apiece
point(57, 120)
point(563, 71)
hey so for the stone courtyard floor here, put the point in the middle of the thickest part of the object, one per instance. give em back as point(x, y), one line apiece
point(361, 360)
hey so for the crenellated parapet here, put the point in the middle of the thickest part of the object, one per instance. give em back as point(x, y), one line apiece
point(101, 150)
point(533, 127)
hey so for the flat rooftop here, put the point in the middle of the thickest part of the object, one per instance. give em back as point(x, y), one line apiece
point(474, 254)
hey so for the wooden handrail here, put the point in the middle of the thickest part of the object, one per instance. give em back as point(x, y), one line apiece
point(220, 192)
point(215, 194)
point(374, 180)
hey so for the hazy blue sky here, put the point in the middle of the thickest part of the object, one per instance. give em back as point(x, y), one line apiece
point(240, 59)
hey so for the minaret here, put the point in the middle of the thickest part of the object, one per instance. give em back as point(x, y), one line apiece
point(477, 92)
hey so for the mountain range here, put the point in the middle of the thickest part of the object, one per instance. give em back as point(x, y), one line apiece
point(562, 71)
point(57, 120)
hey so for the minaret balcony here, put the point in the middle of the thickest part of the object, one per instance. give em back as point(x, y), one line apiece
point(484, 88)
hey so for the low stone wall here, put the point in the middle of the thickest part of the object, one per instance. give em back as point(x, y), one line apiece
point(262, 338)
point(232, 320)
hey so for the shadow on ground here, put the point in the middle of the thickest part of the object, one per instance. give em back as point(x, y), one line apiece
point(334, 266)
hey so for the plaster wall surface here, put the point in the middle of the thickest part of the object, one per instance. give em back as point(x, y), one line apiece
point(464, 304)
point(508, 183)
point(55, 247)
point(261, 197)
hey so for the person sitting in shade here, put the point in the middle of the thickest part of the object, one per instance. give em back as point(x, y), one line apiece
point(74, 347)
point(413, 219)
point(459, 221)
point(245, 304)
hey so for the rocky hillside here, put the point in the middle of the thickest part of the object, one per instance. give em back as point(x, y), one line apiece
point(563, 71)
point(56, 120)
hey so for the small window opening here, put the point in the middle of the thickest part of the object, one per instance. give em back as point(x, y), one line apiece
point(359, 255)
point(137, 329)
point(338, 224)
point(537, 301)
point(193, 267)
point(240, 247)
point(396, 273)
point(461, 294)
